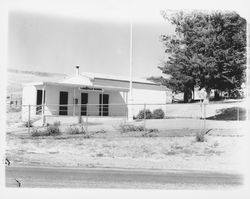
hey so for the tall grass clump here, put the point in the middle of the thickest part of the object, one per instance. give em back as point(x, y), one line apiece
point(35, 132)
point(151, 133)
point(200, 137)
point(75, 130)
point(124, 128)
point(51, 130)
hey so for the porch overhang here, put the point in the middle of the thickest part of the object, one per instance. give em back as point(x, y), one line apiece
point(93, 88)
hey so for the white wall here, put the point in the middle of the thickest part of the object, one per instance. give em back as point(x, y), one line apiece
point(146, 96)
point(28, 98)
point(52, 101)
point(142, 94)
point(116, 97)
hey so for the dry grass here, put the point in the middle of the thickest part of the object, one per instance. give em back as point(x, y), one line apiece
point(114, 149)
point(169, 152)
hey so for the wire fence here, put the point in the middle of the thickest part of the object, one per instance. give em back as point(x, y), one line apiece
point(14, 105)
point(109, 117)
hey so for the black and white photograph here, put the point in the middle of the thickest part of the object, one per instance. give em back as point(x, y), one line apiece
point(123, 95)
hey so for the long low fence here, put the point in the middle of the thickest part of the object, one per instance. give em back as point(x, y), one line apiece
point(117, 110)
point(110, 116)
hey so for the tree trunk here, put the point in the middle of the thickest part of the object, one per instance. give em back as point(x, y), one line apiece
point(217, 95)
point(187, 96)
point(208, 91)
point(193, 97)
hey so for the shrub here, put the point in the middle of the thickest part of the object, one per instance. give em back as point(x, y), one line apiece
point(74, 130)
point(124, 128)
point(48, 131)
point(148, 114)
point(200, 137)
point(36, 132)
point(158, 114)
point(53, 130)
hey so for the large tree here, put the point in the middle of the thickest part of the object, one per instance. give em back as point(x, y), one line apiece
point(207, 51)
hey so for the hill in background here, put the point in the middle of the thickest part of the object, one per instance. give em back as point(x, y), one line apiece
point(15, 79)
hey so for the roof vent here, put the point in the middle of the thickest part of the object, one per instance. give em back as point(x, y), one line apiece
point(77, 70)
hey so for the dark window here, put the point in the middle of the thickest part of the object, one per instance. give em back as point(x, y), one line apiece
point(63, 108)
point(103, 107)
point(84, 102)
point(39, 94)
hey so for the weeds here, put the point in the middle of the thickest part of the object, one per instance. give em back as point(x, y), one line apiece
point(87, 136)
point(99, 155)
point(74, 130)
point(36, 132)
point(215, 144)
point(200, 137)
point(48, 131)
point(151, 133)
point(176, 146)
point(53, 130)
point(124, 128)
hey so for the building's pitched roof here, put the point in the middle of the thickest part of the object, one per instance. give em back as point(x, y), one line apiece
point(93, 80)
point(78, 79)
point(88, 77)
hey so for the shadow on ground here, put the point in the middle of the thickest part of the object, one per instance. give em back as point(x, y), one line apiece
point(233, 113)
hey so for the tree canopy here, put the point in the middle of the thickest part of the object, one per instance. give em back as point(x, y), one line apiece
point(207, 51)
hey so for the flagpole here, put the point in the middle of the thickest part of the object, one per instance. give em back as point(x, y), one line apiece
point(131, 61)
point(130, 100)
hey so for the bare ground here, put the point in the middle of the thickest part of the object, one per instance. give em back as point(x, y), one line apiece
point(173, 148)
point(183, 152)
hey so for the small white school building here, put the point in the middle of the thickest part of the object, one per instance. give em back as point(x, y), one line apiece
point(91, 94)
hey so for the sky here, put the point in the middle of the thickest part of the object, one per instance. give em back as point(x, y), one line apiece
point(55, 36)
point(55, 43)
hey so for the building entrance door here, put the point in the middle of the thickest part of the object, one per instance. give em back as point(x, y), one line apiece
point(63, 108)
point(104, 105)
point(84, 102)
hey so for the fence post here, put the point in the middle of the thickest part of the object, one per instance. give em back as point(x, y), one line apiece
point(43, 116)
point(29, 120)
point(238, 113)
point(144, 122)
point(87, 118)
point(124, 113)
point(80, 119)
point(204, 116)
point(201, 104)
